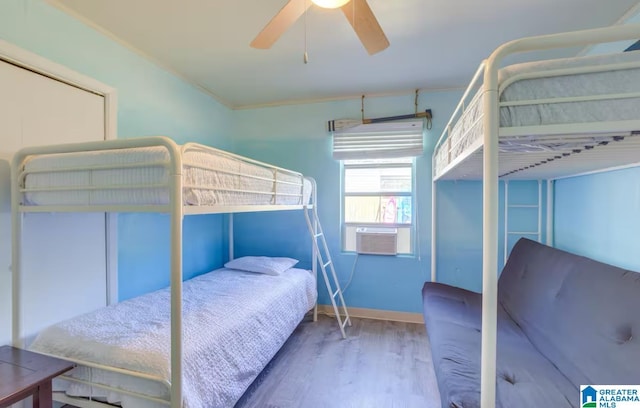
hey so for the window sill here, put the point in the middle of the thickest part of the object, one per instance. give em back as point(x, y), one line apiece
point(408, 256)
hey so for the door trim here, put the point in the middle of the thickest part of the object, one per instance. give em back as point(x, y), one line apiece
point(25, 59)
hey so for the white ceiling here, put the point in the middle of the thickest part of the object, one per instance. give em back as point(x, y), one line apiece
point(435, 44)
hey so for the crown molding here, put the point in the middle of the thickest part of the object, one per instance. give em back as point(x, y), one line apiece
point(344, 98)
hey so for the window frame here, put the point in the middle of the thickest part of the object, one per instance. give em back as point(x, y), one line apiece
point(411, 163)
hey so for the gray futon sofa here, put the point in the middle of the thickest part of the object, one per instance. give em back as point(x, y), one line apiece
point(563, 320)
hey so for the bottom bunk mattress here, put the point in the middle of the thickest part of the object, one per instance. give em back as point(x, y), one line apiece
point(234, 322)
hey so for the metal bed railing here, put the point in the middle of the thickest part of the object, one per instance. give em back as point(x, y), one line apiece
point(174, 185)
point(447, 150)
point(83, 364)
point(490, 93)
point(276, 186)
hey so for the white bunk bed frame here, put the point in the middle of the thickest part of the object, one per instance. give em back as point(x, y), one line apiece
point(177, 211)
point(484, 156)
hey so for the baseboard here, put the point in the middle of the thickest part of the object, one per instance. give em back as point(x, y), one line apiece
point(376, 314)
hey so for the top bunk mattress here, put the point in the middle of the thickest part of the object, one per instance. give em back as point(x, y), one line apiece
point(605, 89)
point(534, 82)
point(140, 176)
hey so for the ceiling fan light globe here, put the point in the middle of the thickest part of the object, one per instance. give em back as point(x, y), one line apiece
point(330, 4)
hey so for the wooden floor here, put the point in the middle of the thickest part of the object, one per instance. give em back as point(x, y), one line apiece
point(381, 364)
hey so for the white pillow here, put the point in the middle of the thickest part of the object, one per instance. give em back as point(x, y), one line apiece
point(261, 264)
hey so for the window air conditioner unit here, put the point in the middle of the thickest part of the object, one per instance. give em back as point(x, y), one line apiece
point(377, 240)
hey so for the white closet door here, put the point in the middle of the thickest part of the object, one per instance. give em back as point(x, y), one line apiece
point(64, 255)
point(10, 139)
point(5, 243)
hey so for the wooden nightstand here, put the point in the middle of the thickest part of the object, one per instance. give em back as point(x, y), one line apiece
point(24, 374)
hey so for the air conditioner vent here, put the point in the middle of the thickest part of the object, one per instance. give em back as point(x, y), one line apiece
point(377, 241)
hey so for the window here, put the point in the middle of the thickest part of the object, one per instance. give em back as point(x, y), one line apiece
point(378, 169)
point(378, 192)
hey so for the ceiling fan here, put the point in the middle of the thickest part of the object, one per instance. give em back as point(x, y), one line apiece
point(357, 12)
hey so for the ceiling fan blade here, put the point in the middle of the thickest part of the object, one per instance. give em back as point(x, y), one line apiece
point(280, 23)
point(366, 26)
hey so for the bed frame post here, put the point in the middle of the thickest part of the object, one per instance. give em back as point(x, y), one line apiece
point(540, 211)
point(490, 199)
point(506, 221)
point(176, 215)
point(231, 248)
point(550, 211)
point(16, 254)
point(434, 220)
point(176, 296)
point(314, 255)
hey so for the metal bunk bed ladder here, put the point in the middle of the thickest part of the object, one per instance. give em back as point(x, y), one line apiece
point(520, 233)
point(335, 291)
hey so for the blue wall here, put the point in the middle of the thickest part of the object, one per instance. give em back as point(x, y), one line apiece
point(151, 101)
point(617, 46)
point(599, 216)
point(459, 229)
point(295, 137)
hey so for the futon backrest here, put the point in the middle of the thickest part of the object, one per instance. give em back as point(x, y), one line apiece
point(583, 315)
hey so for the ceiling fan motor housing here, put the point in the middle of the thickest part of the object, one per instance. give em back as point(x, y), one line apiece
point(330, 3)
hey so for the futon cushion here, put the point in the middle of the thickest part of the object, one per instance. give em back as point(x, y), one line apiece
point(581, 314)
point(526, 378)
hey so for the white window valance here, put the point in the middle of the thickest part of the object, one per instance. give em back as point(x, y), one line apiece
point(379, 141)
